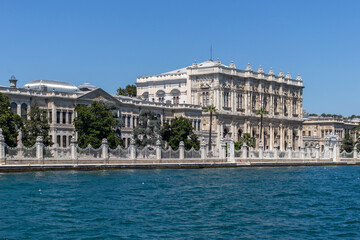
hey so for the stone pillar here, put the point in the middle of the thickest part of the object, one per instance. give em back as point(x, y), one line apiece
point(40, 149)
point(73, 145)
point(290, 150)
point(317, 152)
point(105, 150)
point(244, 150)
point(232, 152)
point(158, 150)
point(131, 122)
point(2, 148)
point(132, 149)
point(223, 150)
point(276, 151)
point(355, 152)
point(181, 150)
point(261, 150)
point(203, 149)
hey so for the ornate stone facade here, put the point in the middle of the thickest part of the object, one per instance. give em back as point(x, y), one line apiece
point(59, 98)
point(316, 129)
point(237, 94)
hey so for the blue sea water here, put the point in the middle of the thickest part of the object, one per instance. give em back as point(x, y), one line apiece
point(239, 203)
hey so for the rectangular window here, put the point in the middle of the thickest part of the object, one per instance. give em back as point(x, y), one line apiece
point(50, 117)
point(70, 117)
point(58, 138)
point(63, 117)
point(58, 117)
point(64, 141)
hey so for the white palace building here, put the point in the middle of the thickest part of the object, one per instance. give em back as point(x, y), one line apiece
point(237, 94)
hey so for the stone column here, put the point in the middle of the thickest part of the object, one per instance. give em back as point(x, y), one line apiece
point(132, 121)
point(271, 138)
point(276, 151)
point(40, 149)
point(232, 152)
point(181, 150)
point(73, 145)
point(290, 150)
point(317, 152)
point(223, 150)
point(281, 137)
point(105, 150)
point(158, 150)
point(132, 150)
point(203, 149)
point(261, 150)
point(2, 148)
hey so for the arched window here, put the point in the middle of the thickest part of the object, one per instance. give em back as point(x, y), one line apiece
point(161, 96)
point(14, 108)
point(239, 135)
point(145, 96)
point(23, 110)
point(175, 93)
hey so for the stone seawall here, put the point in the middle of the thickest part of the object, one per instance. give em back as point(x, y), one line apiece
point(183, 165)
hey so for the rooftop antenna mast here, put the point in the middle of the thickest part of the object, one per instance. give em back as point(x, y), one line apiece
point(211, 52)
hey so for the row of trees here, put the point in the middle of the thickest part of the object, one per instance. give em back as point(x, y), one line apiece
point(99, 120)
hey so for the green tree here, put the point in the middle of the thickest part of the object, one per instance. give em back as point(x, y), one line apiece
point(94, 123)
point(129, 90)
point(148, 130)
point(261, 112)
point(245, 138)
point(347, 143)
point(179, 130)
point(212, 110)
point(9, 122)
point(36, 124)
point(110, 106)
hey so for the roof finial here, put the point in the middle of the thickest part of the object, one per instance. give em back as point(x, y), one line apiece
point(248, 67)
point(271, 72)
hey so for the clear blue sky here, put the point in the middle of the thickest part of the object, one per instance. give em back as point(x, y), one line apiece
point(110, 43)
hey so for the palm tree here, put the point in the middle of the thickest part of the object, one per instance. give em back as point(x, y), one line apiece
point(261, 112)
point(212, 110)
point(248, 139)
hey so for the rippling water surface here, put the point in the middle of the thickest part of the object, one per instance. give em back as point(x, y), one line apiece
point(253, 203)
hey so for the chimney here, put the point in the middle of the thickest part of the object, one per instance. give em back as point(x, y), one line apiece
point(12, 81)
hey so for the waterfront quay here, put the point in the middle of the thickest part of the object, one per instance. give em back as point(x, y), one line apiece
point(174, 165)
